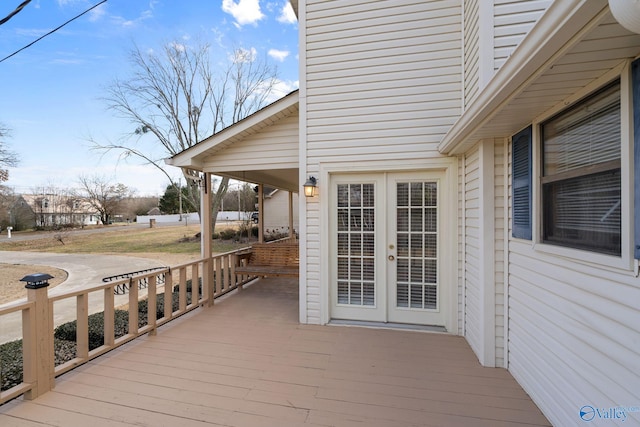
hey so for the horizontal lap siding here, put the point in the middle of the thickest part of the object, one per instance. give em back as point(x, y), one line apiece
point(383, 82)
point(383, 78)
point(472, 284)
point(512, 22)
point(471, 51)
point(275, 147)
point(276, 212)
point(573, 332)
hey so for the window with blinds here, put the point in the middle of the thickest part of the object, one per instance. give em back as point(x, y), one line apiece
point(521, 184)
point(356, 244)
point(417, 248)
point(581, 184)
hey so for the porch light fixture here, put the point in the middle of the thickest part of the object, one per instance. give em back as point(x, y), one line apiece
point(310, 186)
point(627, 13)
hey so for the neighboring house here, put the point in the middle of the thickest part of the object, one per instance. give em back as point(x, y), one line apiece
point(276, 211)
point(55, 209)
point(20, 216)
point(475, 173)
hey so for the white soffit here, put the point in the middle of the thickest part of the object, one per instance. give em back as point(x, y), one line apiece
point(573, 44)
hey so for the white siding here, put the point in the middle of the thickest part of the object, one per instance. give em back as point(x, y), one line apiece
point(472, 285)
point(275, 147)
point(383, 82)
point(461, 242)
point(499, 180)
point(573, 332)
point(471, 51)
point(512, 22)
point(276, 212)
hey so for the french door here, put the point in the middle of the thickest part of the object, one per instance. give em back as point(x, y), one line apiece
point(387, 248)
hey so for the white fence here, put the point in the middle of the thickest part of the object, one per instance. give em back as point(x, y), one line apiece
point(193, 218)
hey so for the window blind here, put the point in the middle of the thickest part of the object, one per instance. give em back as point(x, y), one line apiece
point(521, 185)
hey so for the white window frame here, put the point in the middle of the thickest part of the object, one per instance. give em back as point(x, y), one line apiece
point(625, 259)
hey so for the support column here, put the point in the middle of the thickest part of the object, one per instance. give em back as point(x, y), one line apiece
point(206, 235)
point(260, 213)
point(486, 221)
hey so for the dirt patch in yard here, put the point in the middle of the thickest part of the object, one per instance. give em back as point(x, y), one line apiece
point(11, 288)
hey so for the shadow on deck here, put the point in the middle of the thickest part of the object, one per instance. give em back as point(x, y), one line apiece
point(248, 362)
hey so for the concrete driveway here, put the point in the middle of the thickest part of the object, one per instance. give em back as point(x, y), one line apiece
point(84, 270)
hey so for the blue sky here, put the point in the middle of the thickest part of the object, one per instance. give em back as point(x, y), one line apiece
point(50, 92)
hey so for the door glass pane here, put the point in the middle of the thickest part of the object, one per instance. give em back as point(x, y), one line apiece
point(356, 244)
point(403, 219)
point(416, 227)
point(368, 246)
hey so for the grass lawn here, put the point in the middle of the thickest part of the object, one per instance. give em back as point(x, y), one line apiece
point(178, 239)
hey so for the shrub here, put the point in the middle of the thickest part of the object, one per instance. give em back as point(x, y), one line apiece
point(12, 364)
point(228, 234)
point(67, 331)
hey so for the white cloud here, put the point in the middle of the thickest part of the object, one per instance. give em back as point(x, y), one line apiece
point(128, 23)
point(97, 13)
point(31, 32)
point(287, 15)
point(279, 55)
point(282, 88)
point(244, 11)
point(67, 61)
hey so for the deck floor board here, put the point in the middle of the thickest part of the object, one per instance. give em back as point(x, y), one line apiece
point(248, 362)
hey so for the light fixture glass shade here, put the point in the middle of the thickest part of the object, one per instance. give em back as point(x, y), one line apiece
point(310, 187)
point(627, 13)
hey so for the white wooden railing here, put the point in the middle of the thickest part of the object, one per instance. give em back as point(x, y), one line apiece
point(215, 276)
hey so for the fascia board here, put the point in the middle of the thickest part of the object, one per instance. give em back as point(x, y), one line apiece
point(560, 23)
point(191, 157)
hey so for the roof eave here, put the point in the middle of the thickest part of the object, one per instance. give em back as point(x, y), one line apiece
point(536, 52)
point(192, 157)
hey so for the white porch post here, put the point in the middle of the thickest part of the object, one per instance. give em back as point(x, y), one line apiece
point(206, 235)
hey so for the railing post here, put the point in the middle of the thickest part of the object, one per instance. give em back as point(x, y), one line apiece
point(195, 284)
point(82, 326)
point(218, 276)
point(232, 268)
point(208, 289)
point(39, 366)
point(133, 307)
point(152, 305)
point(109, 317)
point(168, 294)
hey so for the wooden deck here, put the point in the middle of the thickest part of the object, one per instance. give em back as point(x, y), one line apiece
point(248, 362)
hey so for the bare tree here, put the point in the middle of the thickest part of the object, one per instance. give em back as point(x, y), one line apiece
point(103, 195)
point(175, 96)
point(7, 157)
